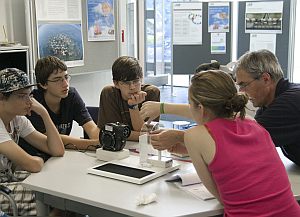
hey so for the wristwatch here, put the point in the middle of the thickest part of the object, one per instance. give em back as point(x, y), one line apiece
point(133, 106)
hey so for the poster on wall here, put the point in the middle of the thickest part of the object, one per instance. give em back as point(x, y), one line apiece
point(264, 17)
point(263, 41)
point(59, 30)
point(218, 16)
point(100, 20)
point(218, 43)
point(187, 23)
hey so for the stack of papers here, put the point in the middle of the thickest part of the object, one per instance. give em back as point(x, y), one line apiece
point(191, 183)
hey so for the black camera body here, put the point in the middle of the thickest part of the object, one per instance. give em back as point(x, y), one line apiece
point(113, 136)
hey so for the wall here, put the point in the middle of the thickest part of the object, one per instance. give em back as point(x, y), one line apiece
point(12, 16)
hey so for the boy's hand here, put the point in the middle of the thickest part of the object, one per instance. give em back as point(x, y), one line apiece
point(37, 108)
point(137, 98)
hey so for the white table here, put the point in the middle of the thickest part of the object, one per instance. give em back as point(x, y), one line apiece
point(294, 174)
point(64, 184)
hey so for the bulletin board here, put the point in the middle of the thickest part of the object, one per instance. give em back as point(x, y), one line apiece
point(186, 58)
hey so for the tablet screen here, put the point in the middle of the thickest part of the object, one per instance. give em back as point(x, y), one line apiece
point(123, 170)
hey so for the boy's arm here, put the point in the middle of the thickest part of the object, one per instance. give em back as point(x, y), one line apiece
point(92, 130)
point(52, 143)
point(134, 136)
point(20, 158)
point(72, 142)
point(136, 119)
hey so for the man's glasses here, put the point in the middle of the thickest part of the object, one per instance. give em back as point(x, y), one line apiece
point(61, 80)
point(129, 83)
point(243, 85)
point(24, 96)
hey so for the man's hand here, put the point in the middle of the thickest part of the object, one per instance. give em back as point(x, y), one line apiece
point(166, 139)
point(137, 98)
point(150, 110)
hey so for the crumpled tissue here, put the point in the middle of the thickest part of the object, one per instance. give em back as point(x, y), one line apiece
point(145, 199)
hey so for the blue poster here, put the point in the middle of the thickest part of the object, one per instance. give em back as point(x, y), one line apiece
point(61, 40)
point(218, 17)
point(100, 20)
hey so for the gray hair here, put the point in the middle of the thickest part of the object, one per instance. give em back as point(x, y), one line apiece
point(256, 63)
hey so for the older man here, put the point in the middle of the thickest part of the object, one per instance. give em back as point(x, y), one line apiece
point(260, 76)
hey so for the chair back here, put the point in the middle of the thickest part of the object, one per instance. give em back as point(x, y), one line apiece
point(93, 110)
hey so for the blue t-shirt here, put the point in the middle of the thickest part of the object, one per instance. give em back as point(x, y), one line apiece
point(72, 108)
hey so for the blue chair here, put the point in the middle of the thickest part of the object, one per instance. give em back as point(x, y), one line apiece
point(94, 114)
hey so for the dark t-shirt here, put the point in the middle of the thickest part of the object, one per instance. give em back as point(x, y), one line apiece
point(114, 109)
point(282, 119)
point(71, 108)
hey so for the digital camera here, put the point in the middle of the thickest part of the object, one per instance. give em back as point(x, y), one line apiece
point(113, 136)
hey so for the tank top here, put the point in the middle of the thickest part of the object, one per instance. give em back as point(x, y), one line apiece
point(248, 172)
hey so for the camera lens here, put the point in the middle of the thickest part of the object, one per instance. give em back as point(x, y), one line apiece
point(126, 132)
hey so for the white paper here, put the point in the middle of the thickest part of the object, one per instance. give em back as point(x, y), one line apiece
point(218, 43)
point(185, 179)
point(54, 10)
point(187, 23)
point(263, 41)
point(198, 190)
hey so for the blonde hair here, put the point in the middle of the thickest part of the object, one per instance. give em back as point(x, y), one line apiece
point(216, 91)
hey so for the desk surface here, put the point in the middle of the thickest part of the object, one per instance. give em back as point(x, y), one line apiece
point(293, 172)
point(66, 178)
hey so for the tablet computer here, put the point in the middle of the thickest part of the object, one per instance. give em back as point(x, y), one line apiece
point(129, 170)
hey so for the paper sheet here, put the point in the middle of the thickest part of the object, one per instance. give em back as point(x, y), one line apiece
point(191, 183)
point(198, 190)
point(185, 179)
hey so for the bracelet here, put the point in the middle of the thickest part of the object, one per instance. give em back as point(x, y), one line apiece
point(133, 106)
point(162, 108)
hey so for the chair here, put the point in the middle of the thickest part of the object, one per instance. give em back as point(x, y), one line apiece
point(5, 191)
point(94, 114)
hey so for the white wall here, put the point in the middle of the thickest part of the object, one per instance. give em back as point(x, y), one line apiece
point(3, 18)
point(90, 85)
point(12, 17)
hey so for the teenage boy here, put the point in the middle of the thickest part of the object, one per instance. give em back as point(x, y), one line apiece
point(63, 103)
point(121, 102)
point(16, 102)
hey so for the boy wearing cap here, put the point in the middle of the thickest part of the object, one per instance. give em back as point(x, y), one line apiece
point(15, 103)
point(63, 103)
point(121, 102)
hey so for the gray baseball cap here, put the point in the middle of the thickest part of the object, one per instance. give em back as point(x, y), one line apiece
point(12, 79)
